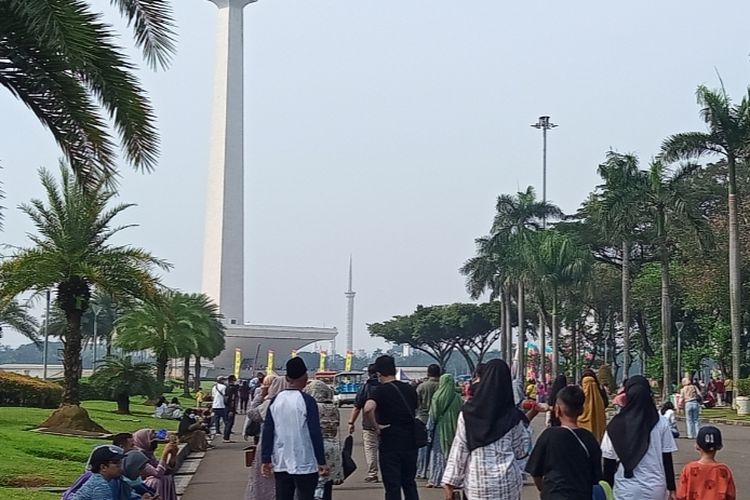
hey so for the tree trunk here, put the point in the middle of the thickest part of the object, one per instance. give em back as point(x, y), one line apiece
point(666, 327)
point(735, 290)
point(108, 344)
point(469, 362)
point(521, 354)
point(509, 329)
point(503, 333)
point(555, 333)
point(625, 308)
point(198, 369)
point(72, 358)
point(161, 371)
point(123, 403)
point(186, 377)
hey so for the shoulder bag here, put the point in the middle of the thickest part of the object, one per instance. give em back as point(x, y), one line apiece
point(420, 429)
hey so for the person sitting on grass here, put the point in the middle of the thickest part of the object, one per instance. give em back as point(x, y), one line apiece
point(706, 478)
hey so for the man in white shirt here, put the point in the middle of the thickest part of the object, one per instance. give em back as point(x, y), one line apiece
point(292, 442)
point(218, 407)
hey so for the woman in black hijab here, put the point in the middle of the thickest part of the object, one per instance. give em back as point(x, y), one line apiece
point(491, 438)
point(642, 443)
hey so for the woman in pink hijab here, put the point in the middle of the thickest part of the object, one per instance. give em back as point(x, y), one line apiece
point(159, 472)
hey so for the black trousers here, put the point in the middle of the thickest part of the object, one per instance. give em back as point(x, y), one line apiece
point(228, 424)
point(302, 484)
point(399, 472)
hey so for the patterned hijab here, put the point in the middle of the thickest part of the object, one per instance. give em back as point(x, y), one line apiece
point(278, 385)
point(320, 391)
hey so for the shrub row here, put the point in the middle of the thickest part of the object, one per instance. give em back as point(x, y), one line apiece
point(22, 390)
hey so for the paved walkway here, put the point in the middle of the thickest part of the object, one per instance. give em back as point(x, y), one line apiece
point(222, 473)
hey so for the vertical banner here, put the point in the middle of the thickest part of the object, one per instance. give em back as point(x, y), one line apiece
point(294, 354)
point(269, 363)
point(322, 366)
point(237, 361)
point(348, 362)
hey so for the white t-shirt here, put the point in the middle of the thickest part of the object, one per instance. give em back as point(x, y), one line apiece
point(292, 446)
point(218, 393)
point(649, 480)
point(671, 419)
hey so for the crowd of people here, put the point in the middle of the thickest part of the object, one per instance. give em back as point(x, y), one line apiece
point(475, 444)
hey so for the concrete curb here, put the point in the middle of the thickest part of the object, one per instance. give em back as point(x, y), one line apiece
point(723, 421)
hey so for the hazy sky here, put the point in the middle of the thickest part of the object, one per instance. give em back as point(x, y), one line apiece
point(387, 129)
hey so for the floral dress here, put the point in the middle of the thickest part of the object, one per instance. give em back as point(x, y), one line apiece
point(329, 425)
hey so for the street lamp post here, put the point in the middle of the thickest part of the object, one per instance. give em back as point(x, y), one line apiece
point(680, 325)
point(46, 335)
point(96, 309)
point(544, 124)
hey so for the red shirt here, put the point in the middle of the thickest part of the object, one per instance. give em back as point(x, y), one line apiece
point(706, 482)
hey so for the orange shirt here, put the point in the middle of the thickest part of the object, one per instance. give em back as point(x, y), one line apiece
point(706, 482)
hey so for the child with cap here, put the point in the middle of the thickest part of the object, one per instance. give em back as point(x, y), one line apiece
point(106, 466)
point(706, 478)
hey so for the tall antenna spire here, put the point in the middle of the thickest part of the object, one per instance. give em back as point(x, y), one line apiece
point(350, 294)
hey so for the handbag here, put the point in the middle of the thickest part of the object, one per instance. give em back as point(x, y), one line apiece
point(347, 461)
point(250, 455)
point(420, 429)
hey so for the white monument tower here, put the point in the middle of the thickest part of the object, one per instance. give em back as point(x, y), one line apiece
point(350, 312)
point(224, 251)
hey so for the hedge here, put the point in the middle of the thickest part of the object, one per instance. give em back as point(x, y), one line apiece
point(22, 390)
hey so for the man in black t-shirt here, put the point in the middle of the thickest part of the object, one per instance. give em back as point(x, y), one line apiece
point(393, 404)
point(566, 461)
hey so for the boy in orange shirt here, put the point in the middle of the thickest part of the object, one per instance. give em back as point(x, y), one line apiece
point(707, 479)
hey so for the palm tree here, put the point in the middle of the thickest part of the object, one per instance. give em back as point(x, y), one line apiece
point(63, 62)
point(616, 210)
point(18, 317)
point(558, 262)
point(488, 270)
point(171, 325)
point(122, 378)
point(728, 136)
point(209, 335)
point(516, 219)
point(72, 251)
point(667, 201)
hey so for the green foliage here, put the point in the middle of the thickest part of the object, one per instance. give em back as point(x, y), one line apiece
point(21, 390)
point(172, 325)
point(743, 387)
point(63, 62)
point(122, 378)
point(72, 251)
point(18, 316)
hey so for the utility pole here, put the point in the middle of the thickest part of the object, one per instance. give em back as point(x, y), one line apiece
point(544, 124)
point(96, 309)
point(46, 335)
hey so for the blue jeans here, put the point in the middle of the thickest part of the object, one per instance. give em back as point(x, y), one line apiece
point(219, 415)
point(692, 413)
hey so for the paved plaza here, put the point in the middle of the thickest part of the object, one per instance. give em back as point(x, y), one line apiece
point(222, 474)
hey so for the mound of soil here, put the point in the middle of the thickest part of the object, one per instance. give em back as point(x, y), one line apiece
point(71, 418)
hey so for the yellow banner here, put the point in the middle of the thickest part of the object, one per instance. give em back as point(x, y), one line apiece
point(348, 362)
point(237, 361)
point(322, 366)
point(269, 363)
point(294, 354)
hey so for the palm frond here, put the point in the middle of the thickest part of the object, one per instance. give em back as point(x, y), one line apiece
point(154, 28)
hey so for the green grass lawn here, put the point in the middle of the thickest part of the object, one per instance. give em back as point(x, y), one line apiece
point(32, 460)
point(726, 413)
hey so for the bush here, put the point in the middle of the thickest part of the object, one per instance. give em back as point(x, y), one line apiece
point(91, 391)
point(21, 390)
point(743, 387)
